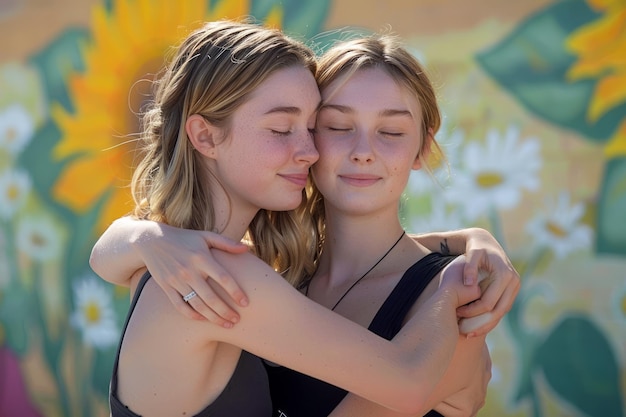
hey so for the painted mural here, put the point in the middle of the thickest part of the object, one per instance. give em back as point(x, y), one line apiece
point(534, 97)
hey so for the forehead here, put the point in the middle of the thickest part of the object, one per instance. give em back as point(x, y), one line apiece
point(371, 88)
point(292, 87)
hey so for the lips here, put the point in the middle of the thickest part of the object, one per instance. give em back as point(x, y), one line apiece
point(298, 179)
point(359, 180)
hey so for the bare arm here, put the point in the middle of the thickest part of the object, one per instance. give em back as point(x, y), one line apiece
point(484, 255)
point(178, 267)
point(283, 326)
point(180, 262)
point(460, 392)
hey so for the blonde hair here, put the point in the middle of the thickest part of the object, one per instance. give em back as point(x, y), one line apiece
point(212, 73)
point(382, 51)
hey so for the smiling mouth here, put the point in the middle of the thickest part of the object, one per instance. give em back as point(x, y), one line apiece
point(359, 180)
point(298, 179)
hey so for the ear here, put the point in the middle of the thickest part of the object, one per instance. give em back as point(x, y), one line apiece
point(201, 134)
point(425, 149)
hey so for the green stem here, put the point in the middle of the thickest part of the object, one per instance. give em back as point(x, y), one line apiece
point(11, 254)
point(52, 350)
point(525, 342)
point(496, 227)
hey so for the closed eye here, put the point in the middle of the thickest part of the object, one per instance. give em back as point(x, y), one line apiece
point(280, 132)
point(392, 134)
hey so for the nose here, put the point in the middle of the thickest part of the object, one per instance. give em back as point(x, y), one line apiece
point(362, 151)
point(305, 149)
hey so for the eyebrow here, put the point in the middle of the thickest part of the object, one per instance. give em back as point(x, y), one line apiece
point(284, 109)
point(384, 113)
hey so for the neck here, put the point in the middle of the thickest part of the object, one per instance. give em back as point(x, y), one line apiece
point(353, 243)
point(232, 217)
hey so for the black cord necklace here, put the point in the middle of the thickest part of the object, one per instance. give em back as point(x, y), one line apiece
point(362, 276)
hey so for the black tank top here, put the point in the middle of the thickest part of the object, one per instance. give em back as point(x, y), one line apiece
point(297, 395)
point(246, 394)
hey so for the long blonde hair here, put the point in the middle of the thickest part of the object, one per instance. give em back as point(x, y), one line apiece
point(382, 51)
point(212, 73)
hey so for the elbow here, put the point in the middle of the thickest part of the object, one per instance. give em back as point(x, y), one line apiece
point(94, 264)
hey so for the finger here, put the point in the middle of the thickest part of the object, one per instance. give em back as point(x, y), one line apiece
point(219, 275)
point(472, 263)
point(498, 298)
point(481, 327)
point(198, 305)
point(471, 325)
point(230, 285)
point(211, 304)
point(182, 306)
point(492, 292)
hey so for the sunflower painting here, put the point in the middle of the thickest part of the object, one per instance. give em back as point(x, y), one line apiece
point(534, 133)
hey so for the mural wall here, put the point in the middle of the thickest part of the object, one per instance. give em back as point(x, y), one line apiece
point(534, 97)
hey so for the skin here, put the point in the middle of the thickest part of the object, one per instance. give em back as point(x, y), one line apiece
point(368, 137)
point(204, 355)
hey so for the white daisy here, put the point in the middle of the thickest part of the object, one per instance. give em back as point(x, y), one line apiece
point(16, 128)
point(559, 228)
point(15, 186)
point(94, 315)
point(494, 174)
point(423, 182)
point(38, 238)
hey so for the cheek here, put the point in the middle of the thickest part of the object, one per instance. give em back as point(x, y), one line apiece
point(327, 150)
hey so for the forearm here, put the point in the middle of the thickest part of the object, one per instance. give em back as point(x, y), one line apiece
point(453, 242)
point(458, 374)
point(114, 257)
point(465, 368)
point(431, 351)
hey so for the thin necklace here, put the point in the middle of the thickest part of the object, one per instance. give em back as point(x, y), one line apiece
point(362, 276)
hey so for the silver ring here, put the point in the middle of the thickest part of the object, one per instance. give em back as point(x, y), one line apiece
point(189, 296)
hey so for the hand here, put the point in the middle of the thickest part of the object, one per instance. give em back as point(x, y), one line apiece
point(451, 282)
point(467, 402)
point(485, 257)
point(180, 262)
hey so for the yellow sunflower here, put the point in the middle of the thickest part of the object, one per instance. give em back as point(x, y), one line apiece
point(600, 47)
point(128, 44)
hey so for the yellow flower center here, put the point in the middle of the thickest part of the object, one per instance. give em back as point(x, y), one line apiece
point(92, 312)
point(623, 305)
point(13, 192)
point(37, 240)
point(489, 179)
point(555, 229)
point(10, 135)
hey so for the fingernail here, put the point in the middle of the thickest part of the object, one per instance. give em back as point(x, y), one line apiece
point(243, 302)
point(228, 325)
point(234, 320)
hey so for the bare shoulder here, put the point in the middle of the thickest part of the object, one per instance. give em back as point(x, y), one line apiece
point(454, 268)
point(246, 267)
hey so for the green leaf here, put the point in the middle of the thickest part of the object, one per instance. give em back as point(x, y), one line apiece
point(58, 60)
point(14, 318)
point(300, 19)
point(531, 63)
point(37, 159)
point(611, 215)
point(580, 366)
point(102, 369)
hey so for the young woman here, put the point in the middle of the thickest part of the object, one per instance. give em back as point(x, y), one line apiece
point(376, 123)
point(228, 146)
